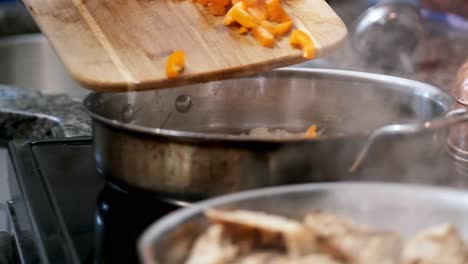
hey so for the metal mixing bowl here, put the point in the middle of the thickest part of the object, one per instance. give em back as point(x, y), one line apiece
point(405, 209)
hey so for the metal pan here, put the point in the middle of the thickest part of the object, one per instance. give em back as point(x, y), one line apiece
point(405, 209)
point(187, 140)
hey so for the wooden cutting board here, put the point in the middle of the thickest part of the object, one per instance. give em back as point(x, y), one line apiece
point(122, 45)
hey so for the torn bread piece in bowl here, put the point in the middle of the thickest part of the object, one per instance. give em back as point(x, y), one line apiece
point(332, 223)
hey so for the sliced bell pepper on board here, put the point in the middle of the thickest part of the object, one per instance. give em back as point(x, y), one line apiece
point(263, 37)
point(264, 19)
point(276, 12)
point(258, 11)
point(238, 14)
point(216, 7)
point(275, 28)
point(243, 30)
point(300, 39)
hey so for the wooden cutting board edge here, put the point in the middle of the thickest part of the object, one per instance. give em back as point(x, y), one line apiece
point(124, 85)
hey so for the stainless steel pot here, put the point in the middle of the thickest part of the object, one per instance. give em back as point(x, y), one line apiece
point(187, 140)
point(169, 240)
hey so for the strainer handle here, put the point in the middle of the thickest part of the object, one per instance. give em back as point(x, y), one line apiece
point(451, 118)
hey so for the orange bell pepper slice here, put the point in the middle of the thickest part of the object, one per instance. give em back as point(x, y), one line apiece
point(251, 2)
point(175, 63)
point(216, 7)
point(264, 37)
point(276, 12)
point(228, 18)
point(277, 29)
point(202, 2)
point(238, 14)
point(216, 10)
point(311, 132)
point(220, 2)
point(300, 39)
point(258, 11)
point(243, 30)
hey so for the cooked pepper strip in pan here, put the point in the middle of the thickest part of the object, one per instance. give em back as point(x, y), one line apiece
point(311, 132)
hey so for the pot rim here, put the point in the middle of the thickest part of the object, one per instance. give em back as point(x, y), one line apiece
point(420, 88)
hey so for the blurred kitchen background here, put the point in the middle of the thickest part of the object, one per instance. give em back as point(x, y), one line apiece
point(402, 38)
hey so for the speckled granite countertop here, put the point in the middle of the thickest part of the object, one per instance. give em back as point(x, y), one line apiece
point(26, 113)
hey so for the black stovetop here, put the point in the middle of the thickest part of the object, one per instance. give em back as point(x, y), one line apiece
point(64, 212)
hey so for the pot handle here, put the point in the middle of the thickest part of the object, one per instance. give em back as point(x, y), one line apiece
point(451, 118)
